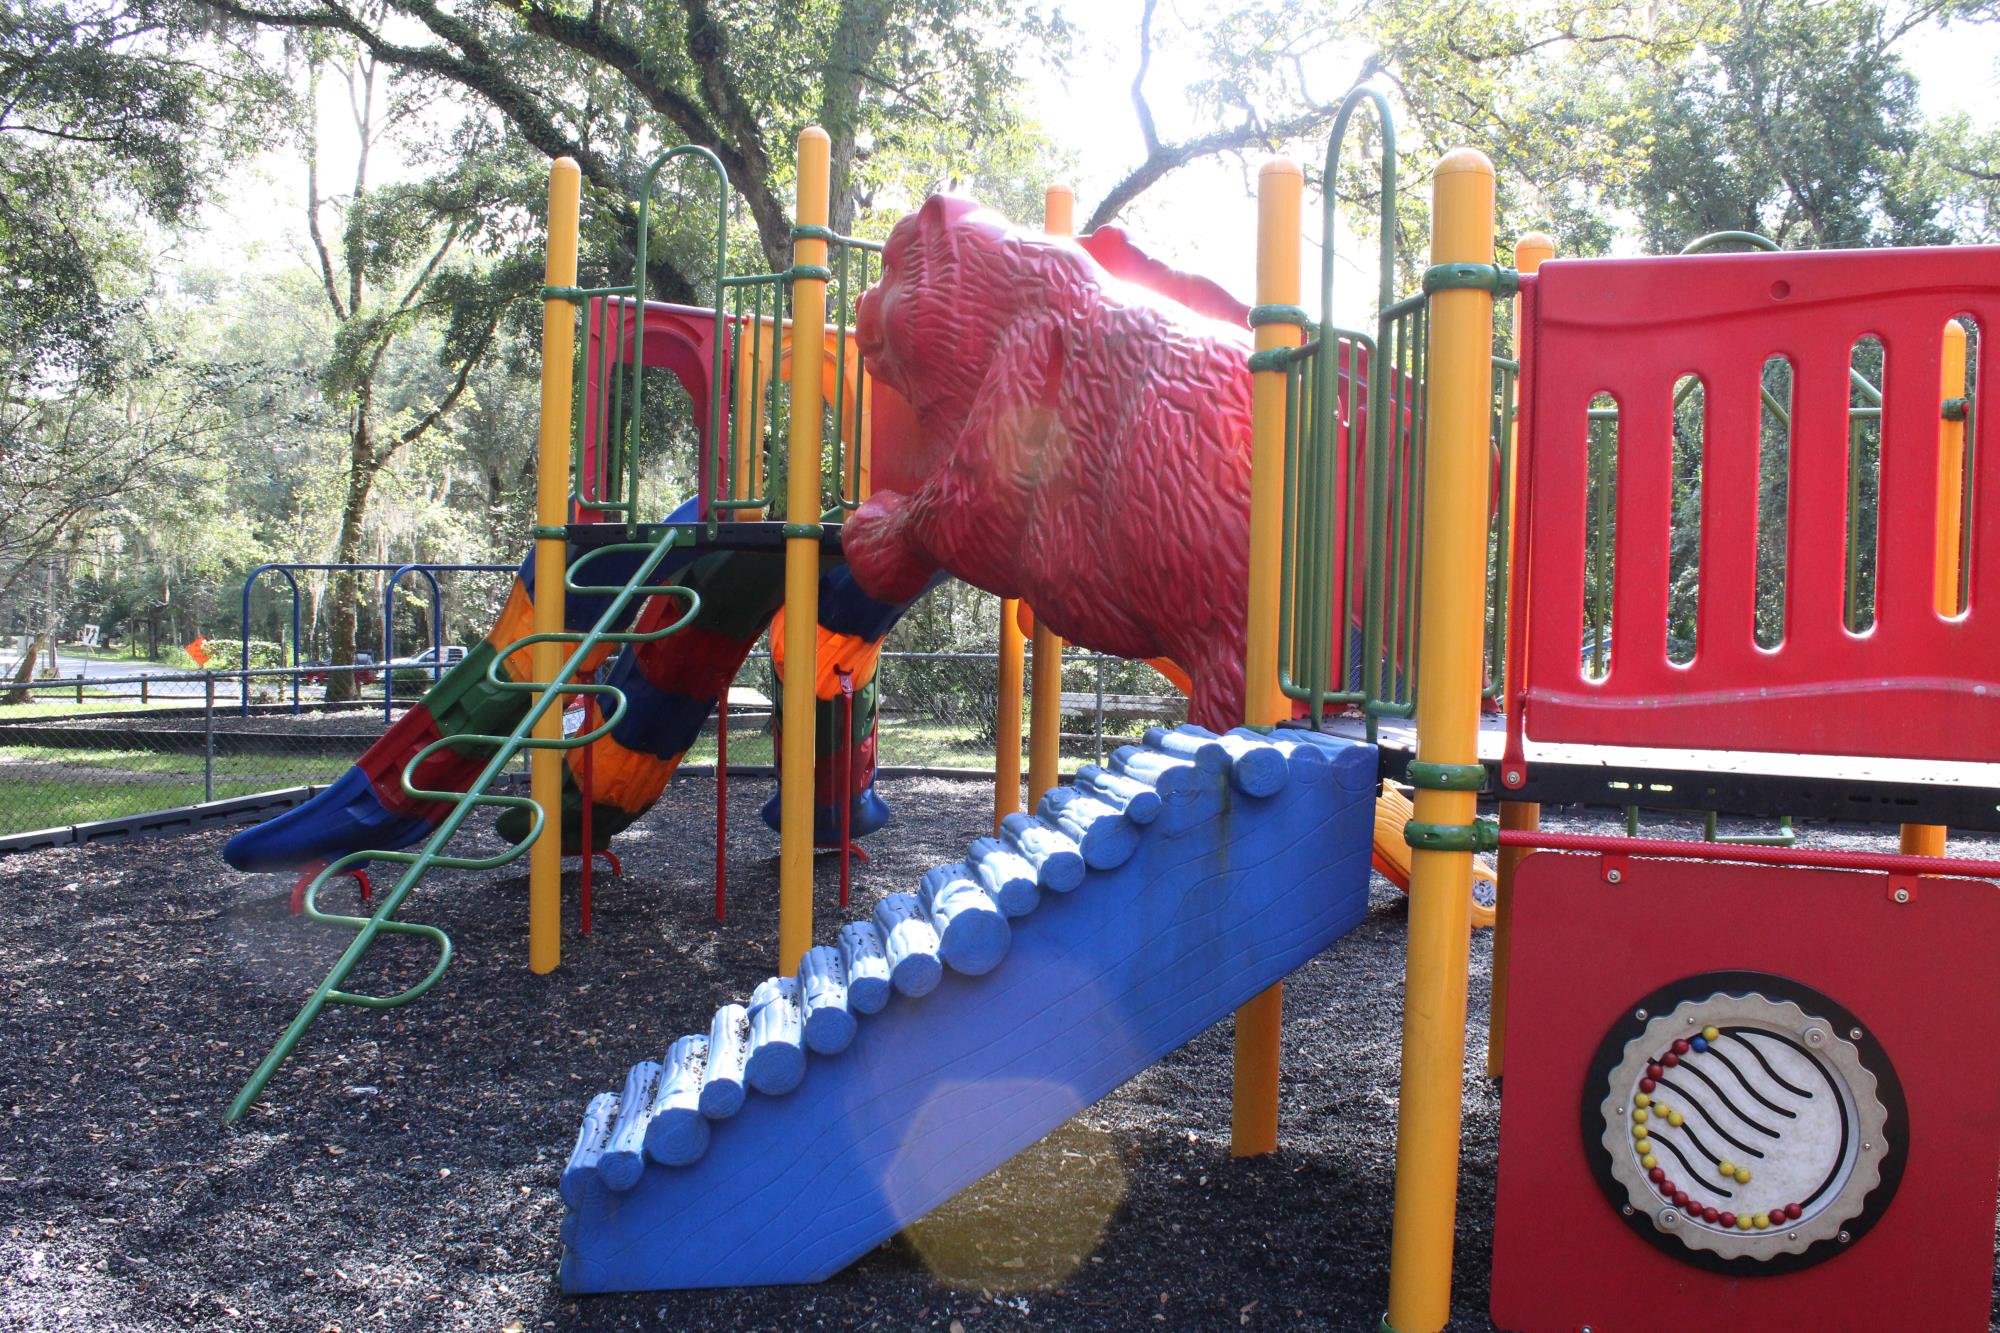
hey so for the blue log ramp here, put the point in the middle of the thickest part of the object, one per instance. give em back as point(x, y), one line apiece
point(1254, 859)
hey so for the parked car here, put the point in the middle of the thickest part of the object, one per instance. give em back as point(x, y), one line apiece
point(364, 672)
point(449, 656)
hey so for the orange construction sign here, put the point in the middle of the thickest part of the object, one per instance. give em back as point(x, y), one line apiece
point(198, 650)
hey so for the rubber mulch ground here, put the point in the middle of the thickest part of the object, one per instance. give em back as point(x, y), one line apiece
point(401, 1172)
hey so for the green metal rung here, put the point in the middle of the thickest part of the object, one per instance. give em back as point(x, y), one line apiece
point(505, 748)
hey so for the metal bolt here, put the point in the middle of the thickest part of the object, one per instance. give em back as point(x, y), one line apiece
point(1815, 1037)
point(1902, 895)
point(1843, 1238)
point(1627, 1210)
point(1668, 1218)
point(1791, 1235)
point(1854, 1034)
point(1639, 1014)
point(1618, 876)
point(1868, 1147)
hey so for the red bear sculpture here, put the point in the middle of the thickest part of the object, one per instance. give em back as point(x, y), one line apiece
point(1081, 441)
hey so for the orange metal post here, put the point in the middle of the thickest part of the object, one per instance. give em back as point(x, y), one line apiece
point(1253, 1124)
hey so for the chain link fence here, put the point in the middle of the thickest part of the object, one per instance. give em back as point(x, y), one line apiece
point(120, 754)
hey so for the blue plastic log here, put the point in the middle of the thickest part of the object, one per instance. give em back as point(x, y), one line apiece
point(1255, 767)
point(1189, 795)
point(1057, 860)
point(1008, 877)
point(1106, 838)
point(823, 1001)
point(624, 1158)
point(728, 1047)
point(911, 943)
point(1308, 761)
point(579, 1177)
point(677, 1133)
point(1137, 801)
point(777, 1058)
point(972, 930)
point(866, 959)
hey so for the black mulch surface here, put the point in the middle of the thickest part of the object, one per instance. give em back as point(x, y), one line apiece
point(401, 1173)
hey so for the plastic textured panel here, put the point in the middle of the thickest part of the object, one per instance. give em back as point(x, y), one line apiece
point(1918, 977)
point(1916, 684)
point(1176, 922)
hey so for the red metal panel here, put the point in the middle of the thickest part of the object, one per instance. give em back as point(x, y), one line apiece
point(1916, 685)
point(1917, 975)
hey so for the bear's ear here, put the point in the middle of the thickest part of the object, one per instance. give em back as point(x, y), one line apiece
point(941, 211)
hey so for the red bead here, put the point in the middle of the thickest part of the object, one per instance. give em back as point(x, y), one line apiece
point(1726, 1219)
point(1680, 1048)
point(1709, 1215)
point(1657, 1174)
point(1680, 1199)
point(1667, 1188)
point(1647, 1085)
point(1670, 1059)
point(1792, 1212)
point(1654, 1070)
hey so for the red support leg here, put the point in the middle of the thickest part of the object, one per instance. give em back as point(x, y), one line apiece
point(846, 785)
point(587, 792)
point(722, 805)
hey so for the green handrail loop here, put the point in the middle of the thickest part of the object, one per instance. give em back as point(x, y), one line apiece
point(616, 482)
point(1328, 521)
point(1701, 244)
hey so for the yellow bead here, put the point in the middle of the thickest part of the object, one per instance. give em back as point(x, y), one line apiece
point(1640, 1117)
point(1743, 1175)
point(1762, 1221)
point(1638, 1131)
point(1649, 1161)
point(1643, 1099)
point(1645, 1149)
point(1676, 1119)
point(1743, 1222)
point(1711, 1032)
point(1727, 1168)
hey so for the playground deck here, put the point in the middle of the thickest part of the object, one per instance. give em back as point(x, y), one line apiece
point(1959, 795)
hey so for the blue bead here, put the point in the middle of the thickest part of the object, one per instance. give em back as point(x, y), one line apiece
point(1699, 1043)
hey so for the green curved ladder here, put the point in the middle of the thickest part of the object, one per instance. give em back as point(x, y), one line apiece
point(505, 749)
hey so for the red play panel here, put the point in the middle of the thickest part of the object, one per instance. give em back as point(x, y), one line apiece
point(1887, 1139)
point(1915, 684)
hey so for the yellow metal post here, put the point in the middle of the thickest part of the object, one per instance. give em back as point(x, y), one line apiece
point(1529, 253)
point(545, 766)
point(1045, 704)
point(1928, 839)
point(1450, 666)
point(1253, 1121)
point(802, 510)
point(1007, 718)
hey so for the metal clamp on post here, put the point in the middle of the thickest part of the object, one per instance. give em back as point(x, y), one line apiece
point(1445, 777)
point(1481, 835)
point(804, 232)
point(1471, 277)
point(551, 533)
point(1278, 358)
point(810, 531)
point(571, 294)
point(809, 273)
point(1956, 409)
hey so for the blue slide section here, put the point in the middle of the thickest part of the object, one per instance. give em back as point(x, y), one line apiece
point(965, 1021)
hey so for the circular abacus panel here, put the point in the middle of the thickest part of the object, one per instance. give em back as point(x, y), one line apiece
point(1746, 1122)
